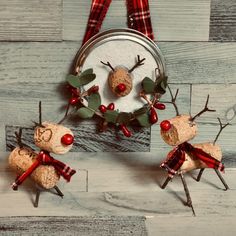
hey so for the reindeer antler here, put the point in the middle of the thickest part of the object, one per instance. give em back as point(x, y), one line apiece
point(40, 116)
point(138, 63)
point(108, 64)
point(205, 109)
point(18, 138)
point(221, 128)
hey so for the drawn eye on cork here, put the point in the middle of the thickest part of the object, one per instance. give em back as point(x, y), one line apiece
point(43, 134)
point(185, 157)
point(120, 78)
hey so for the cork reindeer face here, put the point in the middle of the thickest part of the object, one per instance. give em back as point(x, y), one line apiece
point(120, 78)
point(53, 138)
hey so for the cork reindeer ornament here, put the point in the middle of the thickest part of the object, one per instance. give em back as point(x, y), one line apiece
point(40, 166)
point(177, 132)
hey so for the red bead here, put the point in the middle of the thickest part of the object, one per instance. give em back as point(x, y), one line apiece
point(67, 139)
point(153, 118)
point(165, 125)
point(102, 108)
point(159, 106)
point(125, 131)
point(73, 101)
point(121, 87)
point(111, 106)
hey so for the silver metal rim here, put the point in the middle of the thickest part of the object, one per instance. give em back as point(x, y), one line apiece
point(119, 34)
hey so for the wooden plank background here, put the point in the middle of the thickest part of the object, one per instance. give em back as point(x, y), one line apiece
point(39, 39)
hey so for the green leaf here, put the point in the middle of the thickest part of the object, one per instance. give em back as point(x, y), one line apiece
point(144, 120)
point(161, 85)
point(73, 81)
point(140, 111)
point(85, 79)
point(85, 113)
point(124, 118)
point(86, 72)
point(148, 85)
point(94, 101)
point(111, 116)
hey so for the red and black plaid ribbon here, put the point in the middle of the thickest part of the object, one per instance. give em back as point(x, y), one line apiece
point(44, 158)
point(176, 158)
point(138, 17)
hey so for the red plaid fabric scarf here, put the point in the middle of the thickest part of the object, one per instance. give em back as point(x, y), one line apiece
point(138, 17)
point(44, 158)
point(176, 158)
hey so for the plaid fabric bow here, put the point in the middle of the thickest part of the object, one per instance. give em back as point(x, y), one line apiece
point(176, 158)
point(44, 158)
point(138, 17)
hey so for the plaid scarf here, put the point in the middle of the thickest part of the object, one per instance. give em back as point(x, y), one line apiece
point(176, 158)
point(138, 17)
point(44, 158)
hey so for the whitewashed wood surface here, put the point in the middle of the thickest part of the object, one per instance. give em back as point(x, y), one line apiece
point(197, 39)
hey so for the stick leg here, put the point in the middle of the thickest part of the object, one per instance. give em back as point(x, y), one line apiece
point(166, 182)
point(189, 200)
point(222, 179)
point(59, 192)
point(36, 203)
point(200, 174)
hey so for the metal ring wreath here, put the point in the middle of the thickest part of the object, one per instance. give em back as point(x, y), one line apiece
point(87, 103)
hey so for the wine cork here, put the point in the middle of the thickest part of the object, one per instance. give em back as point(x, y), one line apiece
point(182, 130)
point(120, 76)
point(49, 138)
point(20, 160)
point(192, 163)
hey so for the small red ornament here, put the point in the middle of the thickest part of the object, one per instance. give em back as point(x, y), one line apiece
point(125, 130)
point(159, 106)
point(111, 106)
point(67, 139)
point(73, 100)
point(165, 125)
point(102, 108)
point(153, 116)
point(121, 87)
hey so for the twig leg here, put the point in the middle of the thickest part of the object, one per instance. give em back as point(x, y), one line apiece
point(59, 192)
point(189, 200)
point(200, 174)
point(222, 179)
point(36, 203)
point(166, 182)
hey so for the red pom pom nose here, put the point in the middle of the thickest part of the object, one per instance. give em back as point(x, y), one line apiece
point(165, 125)
point(67, 139)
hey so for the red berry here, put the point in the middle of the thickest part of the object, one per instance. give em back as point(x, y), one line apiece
point(153, 118)
point(102, 108)
point(121, 87)
point(67, 139)
point(159, 106)
point(73, 100)
point(125, 131)
point(165, 125)
point(111, 106)
point(93, 89)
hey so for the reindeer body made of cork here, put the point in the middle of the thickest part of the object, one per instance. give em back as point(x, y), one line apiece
point(120, 78)
point(41, 167)
point(185, 157)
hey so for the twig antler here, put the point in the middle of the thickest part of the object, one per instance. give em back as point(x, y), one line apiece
point(108, 64)
point(18, 138)
point(40, 116)
point(205, 109)
point(221, 128)
point(138, 63)
point(173, 99)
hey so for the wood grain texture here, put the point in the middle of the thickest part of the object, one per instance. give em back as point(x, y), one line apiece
point(187, 62)
point(87, 139)
point(89, 226)
point(223, 20)
point(31, 20)
point(172, 20)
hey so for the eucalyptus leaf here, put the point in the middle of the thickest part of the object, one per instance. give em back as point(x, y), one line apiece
point(86, 72)
point(148, 85)
point(144, 120)
point(124, 118)
point(94, 101)
point(85, 113)
point(111, 116)
point(85, 79)
point(73, 80)
point(140, 111)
